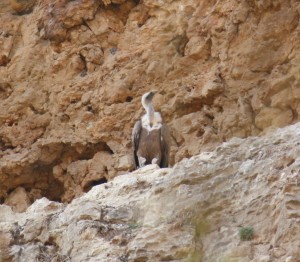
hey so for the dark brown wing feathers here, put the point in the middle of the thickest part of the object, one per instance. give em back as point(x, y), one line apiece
point(135, 138)
point(166, 142)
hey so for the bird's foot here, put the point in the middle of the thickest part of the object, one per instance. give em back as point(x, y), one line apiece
point(142, 161)
point(154, 161)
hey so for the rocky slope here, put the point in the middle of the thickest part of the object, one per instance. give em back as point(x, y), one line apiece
point(72, 74)
point(192, 212)
point(71, 77)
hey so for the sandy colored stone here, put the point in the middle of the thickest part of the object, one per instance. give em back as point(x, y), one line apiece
point(191, 212)
point(73, 72)
point(22, 6)
point(273, 117)
point(18, 200)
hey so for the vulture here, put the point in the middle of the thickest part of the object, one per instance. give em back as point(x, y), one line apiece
point(150, 137)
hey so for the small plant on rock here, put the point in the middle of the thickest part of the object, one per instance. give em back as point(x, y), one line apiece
point(134, 225)
point(246, 233)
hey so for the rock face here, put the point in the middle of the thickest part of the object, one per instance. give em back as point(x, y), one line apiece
point(71, 77)
point(192, 212)
point(72, 74)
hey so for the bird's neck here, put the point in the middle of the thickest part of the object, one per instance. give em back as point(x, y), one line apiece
point(150, 113)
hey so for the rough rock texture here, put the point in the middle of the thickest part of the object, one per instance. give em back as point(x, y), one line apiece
point(192, 212)
point(71, 77)
point(72, 74)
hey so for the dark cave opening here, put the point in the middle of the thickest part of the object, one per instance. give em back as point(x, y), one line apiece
point(39, 179)
point(129, 98)
point(93, 183)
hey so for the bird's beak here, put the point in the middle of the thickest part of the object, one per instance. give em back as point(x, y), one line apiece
point(149, 95)
point(152, 93)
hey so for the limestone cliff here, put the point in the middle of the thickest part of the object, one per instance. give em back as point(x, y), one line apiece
point(192, 212)
point(71, 77)
point(72, 74)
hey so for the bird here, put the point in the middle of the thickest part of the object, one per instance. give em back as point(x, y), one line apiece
point(150, 137)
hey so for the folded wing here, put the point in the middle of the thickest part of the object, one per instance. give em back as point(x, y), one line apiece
point(135, 138)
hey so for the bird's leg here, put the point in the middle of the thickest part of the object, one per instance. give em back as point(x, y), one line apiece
point(142, 161)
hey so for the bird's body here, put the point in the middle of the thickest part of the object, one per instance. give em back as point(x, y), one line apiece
point(150, 137)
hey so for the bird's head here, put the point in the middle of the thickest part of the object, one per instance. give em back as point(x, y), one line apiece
point(147, 98)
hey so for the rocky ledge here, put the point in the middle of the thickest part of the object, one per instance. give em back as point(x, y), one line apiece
point(72, 74)
point(195, 211)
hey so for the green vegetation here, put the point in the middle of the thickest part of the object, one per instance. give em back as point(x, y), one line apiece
point(246, 233)
point(134, 225)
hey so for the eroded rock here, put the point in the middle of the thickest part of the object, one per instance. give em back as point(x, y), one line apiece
point(18, 200)
point(192, 212)
point(72, 74)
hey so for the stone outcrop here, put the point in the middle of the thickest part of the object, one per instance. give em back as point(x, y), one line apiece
point(72, 74)
point(191, 212)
